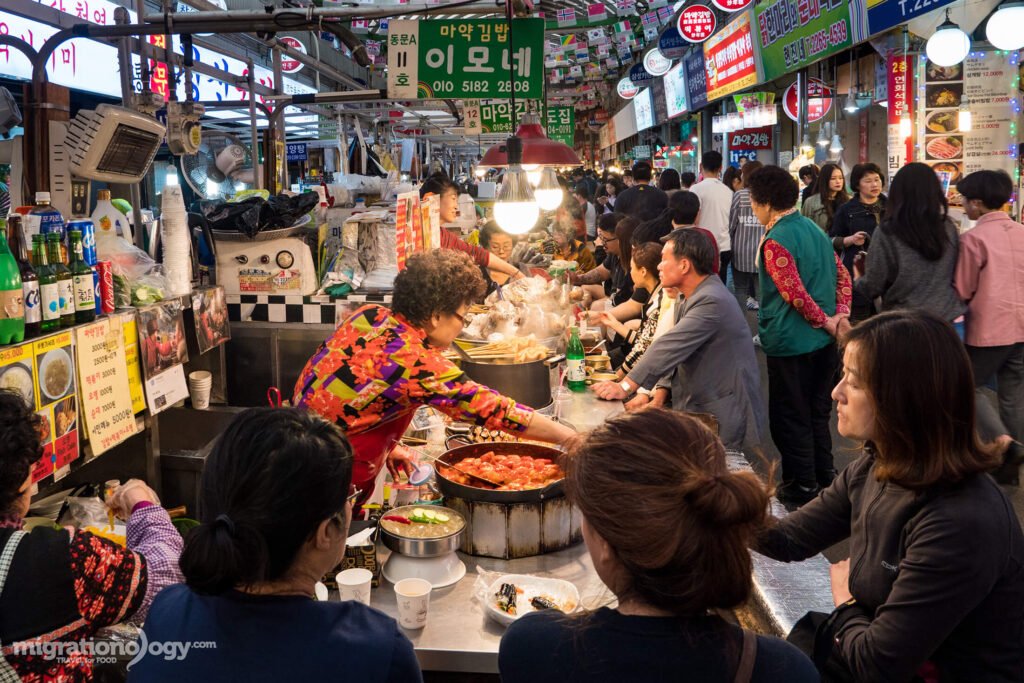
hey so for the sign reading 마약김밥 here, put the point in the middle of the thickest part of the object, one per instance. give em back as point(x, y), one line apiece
point(696, 23)
point(465, 58)
point(729, 59)
point(794, 33)
point(751, 138)
point(561, 125)
point(492, 116)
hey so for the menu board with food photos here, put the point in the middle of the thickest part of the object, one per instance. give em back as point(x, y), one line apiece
point(56, 403)
point(103, 376)
point(986, 82)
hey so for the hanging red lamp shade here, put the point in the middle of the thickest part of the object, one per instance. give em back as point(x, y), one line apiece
point(538, 148)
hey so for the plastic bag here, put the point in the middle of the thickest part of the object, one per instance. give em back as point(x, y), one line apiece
point(138, 279)
point(92, 515)
point(252, 215)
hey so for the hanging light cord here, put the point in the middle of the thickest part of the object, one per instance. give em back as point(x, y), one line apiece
point(511, 62)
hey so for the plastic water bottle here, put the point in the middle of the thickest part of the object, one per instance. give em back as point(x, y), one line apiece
point(46, 219)
point(575, 372)
point(12, 303)
point(107, 219)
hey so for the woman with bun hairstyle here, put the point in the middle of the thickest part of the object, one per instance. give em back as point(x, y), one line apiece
point(275, 504)
point(666, 524)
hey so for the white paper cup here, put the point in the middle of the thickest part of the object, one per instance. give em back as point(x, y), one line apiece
point(200, 384)
point(413, 597)
point(354, 584)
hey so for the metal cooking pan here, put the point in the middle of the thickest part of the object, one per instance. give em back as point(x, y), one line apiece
point(456, 490)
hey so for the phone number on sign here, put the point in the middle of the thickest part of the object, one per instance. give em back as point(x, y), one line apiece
point(479, 87)
point(834, 35)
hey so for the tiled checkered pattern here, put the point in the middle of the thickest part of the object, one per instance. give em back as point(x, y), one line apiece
point(310, 310)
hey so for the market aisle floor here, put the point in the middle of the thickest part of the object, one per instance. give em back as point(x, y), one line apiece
point(844, 450)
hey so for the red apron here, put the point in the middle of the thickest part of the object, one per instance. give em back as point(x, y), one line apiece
point(371, 448)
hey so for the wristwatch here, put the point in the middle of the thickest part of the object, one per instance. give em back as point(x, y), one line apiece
point(626, 387)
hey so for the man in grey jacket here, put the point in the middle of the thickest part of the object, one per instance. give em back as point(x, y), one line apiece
point(708, 356)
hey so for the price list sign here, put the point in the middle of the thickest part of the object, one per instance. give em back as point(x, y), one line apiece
point(794, 33)
point(103, 378)
point(465, 59)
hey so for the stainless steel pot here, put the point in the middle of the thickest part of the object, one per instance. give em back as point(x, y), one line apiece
point(454, 489)
point(528, 383)
point(423, 547)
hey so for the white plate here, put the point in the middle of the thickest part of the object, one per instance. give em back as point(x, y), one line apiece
point(563, 593)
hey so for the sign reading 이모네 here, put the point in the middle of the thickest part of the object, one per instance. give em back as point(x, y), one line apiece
point(465, 58)
point(794, 33)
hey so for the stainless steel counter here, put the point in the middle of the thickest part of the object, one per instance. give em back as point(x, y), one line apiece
point(459, 636)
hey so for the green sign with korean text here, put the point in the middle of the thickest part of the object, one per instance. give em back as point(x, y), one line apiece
point(465, 58)
point(561, 125)
point(794, 33)
point(496, 117)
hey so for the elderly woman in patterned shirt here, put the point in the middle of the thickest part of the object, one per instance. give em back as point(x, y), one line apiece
point(62, 586)
point(380, 365)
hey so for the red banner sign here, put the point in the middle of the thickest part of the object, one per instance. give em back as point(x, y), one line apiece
point(898, 77)
point(697, 23)
point(751, 138)
point(731, 5)
point(729, 59)
point(819, 101)
point(159, 80)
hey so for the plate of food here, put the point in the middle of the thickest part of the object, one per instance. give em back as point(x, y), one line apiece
point(943, 73)
point(511, 596)
point(944, 148)
point(943, 122)
point(18, 378)
point(55, 374)
point(944, 95)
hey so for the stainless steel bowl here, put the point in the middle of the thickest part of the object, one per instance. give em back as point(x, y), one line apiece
point(423, 547)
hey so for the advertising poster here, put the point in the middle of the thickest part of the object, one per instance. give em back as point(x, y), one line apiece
point(56, 400)
point(163, 350)
point(696, 80)
point(729, 59)
point(465, 58)
point(674, 83)
point(795, 33)
point(130, 332)
point(899, 81)
point(103, 376)
point(210, 307)
point(986, 82)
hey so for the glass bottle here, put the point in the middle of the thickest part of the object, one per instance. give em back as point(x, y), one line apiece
point(65, 285)
point(82, 282)
point(29, 279)
point(12, 308)
point(49, 292)
point(575, 372)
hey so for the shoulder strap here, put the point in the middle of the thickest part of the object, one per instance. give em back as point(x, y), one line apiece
point(7, 672)
point(746, 667)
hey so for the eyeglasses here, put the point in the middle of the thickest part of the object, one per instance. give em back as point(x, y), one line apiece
point(461, 318)
point(607, 240)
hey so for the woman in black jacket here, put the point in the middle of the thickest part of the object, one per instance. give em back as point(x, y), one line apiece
point(935, 578)
point(854, 223)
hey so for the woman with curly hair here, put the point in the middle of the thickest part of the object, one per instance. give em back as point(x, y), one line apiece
point(382, 364)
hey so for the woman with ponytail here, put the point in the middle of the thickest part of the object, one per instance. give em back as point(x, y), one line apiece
point(275, 503)
point(667, 526)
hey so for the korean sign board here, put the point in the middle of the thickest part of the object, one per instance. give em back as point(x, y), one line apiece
point(729, 59)
point(561, 124)
point(696, 80)
point(465, 58)
point(296, 151)
point(884, 14)
point(794, 33)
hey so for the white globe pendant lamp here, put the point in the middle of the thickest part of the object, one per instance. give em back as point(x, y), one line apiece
point(1005, 28)
point(949, 45)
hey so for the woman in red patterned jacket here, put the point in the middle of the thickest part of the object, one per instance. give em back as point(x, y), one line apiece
point(57, 588)
point(380, 365)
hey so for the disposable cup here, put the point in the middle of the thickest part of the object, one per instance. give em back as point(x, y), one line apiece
point(354, 584)
point(413, 596)
point(200, 384)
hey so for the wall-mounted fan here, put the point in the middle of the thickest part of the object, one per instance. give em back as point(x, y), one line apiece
point(222, 167)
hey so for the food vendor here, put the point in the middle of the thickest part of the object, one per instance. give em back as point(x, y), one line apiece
point(381, 364)
point(443, 187)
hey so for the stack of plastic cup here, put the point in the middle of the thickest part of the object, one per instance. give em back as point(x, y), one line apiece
point(200, 383)
point(176, 242)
